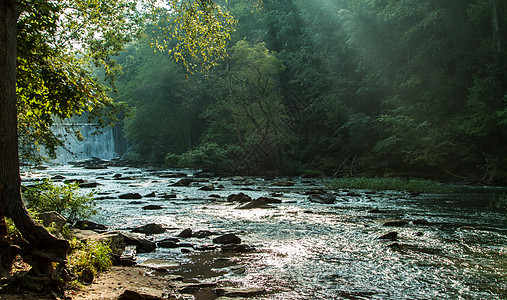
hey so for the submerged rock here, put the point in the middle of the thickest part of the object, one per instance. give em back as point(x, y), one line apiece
point(395, 223)
point(322, 198)
point(421, 222)
point(237, 248)
point(172, 175)
point(239, 292)
point(203, 234)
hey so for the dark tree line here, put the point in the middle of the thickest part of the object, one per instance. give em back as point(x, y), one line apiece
point(371, 87)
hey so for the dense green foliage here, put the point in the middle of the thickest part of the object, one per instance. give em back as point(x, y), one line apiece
point(64, 199)
point(369, 87)
point(89, 258)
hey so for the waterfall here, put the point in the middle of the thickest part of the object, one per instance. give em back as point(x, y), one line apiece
point(104, 143)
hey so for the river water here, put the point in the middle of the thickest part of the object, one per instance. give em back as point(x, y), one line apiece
point(306, 250)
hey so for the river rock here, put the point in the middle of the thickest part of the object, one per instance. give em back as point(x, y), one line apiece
point(172, 175)
point(133, 295)
point(191, 288)
point(58, 177)
point(241, 197)
point(203, 234)
point(269, 200)
point(186, 233)
point(395, 223)
point(130, 196)
point(170, 196)
point(208, 187)
point(229, 238)
point(322, 198)
point(52, 217)
point(422, 222)
point(142, 245)
point(206, 247)
point(152, 207)
point(150, 195)
point(391, 236)
point(88, 184)
point(151, 228)
point(316, 191)
point(168, 243)
point(183, 182)
point(236, 248)
point(239, 292)
point(257, 203)
point(89, 225)
point(284, 183)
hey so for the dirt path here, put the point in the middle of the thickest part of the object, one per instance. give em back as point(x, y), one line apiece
point(111, 285)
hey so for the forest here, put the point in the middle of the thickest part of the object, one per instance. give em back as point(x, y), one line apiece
point(270, 98)
point(336, 88)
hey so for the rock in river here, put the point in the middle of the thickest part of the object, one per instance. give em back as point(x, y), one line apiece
point(323, 198)
point(257, 203)
point(241, 197)
point(239, 292)
point(151, 228)
point(395, 223)
point(152, 207)
point(186, 233)
point(130, 196)
point(391, 236)
point(225, 239)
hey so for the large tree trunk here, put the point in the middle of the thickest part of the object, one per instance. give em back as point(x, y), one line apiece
point(43, 248)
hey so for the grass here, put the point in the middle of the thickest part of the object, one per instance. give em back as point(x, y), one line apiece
point(390, 183)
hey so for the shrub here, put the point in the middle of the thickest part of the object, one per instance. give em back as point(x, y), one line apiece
point(64, 199)
point(89, 258)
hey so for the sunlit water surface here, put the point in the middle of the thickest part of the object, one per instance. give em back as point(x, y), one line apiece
point(306, 250)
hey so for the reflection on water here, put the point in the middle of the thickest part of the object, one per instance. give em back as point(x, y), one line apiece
point(306, 250)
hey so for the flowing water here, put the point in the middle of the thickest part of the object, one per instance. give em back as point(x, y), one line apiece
point(306, 250)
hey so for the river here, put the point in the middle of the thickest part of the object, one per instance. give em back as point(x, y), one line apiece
point(306, 250)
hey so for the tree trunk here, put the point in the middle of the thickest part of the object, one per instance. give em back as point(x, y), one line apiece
point(43, 248)
point(496, 28)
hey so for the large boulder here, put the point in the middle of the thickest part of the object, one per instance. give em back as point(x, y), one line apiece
point(148, 229)
point(323, 198)
point(142, 245)
point(52, 217)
